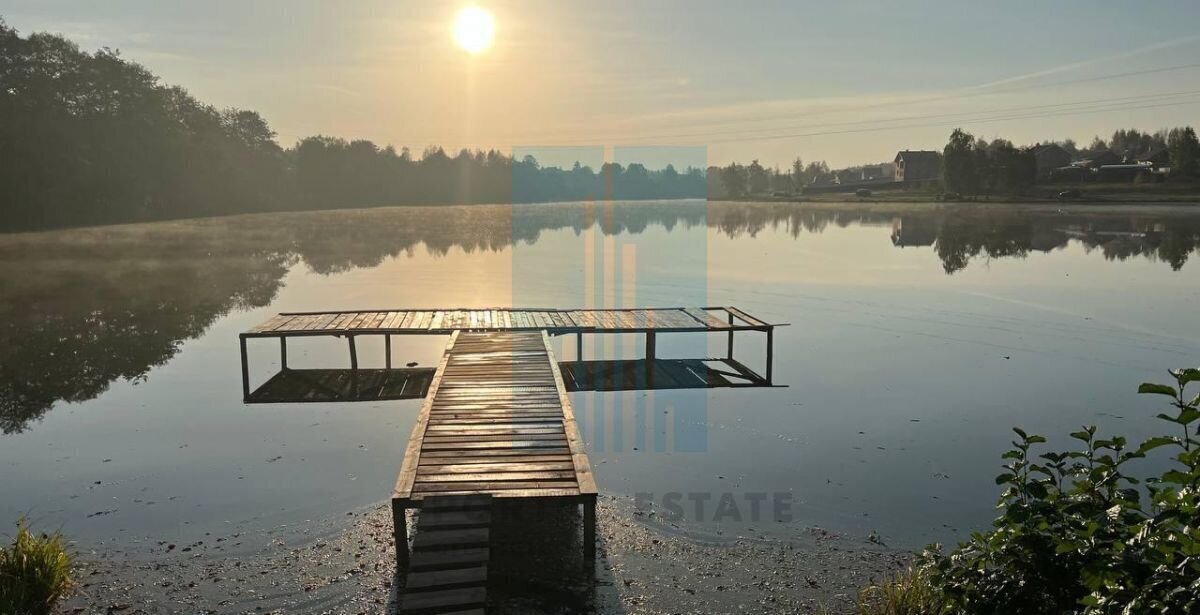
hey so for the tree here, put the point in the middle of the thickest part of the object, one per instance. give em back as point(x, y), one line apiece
point(958, 163)
point(1185, 151)
point(1098, 145)
point(1011, 170)
point(759, 181)
point(1132, 142)
point(816, 171)
point(797, 173)
point(734, 178)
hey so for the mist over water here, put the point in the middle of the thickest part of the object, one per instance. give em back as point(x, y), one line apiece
point(917, 337)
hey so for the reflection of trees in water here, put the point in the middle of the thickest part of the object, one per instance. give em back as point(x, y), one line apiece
point(958, 237)
point(83, 308)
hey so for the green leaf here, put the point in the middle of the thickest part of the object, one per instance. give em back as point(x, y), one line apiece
point(1154, 443)
point(1005, 478)
point(1081, 435)
point(1186, 375)
point(1157, 389)
point(1036, 439)
point(1019, 431)
point(1176, 477)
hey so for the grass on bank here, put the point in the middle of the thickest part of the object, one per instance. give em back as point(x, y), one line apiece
point(35, 573)
point(907, 593)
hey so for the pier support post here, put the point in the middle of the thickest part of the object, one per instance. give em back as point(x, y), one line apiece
point(400, 531)
point(589, 532)
point(579, 346)
point(387, 351)
point(770, 352)
point(729, 354)
point(245, 371)
point(353, 368)
point(282, 353)
point(651, 351)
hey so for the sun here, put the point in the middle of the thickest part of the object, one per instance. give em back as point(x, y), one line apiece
point(474, 29)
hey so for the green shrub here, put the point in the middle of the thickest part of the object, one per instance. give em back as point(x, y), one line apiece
point(35, 572)
point(909, 593)
point(1077, 535)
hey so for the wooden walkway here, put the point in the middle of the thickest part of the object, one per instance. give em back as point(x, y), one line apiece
point(497, 421)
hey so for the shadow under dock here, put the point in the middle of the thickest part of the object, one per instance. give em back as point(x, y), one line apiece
point(341, 385)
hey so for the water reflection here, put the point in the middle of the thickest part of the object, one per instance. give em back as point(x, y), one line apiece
point(81, 309)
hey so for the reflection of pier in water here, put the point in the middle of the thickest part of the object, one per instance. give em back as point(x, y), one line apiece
point(290, 386)
point(339, 385)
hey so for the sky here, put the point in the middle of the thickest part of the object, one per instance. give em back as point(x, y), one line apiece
point(846, 82)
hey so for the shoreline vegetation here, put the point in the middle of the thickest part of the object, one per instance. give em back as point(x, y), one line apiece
point(1181, 194)
point(35, 572)
point(1078, 533)
point(92, 139)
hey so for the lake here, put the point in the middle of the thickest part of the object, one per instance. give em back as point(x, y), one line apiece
point(918, 336)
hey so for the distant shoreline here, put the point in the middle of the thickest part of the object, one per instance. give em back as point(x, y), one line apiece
point(1113, 194)
point(883, 203)
point(843, 200)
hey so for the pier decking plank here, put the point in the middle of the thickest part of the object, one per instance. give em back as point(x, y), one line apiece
point(497, 420)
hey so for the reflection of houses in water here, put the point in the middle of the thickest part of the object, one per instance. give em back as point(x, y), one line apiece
point(919, 231)
point(1044, 239)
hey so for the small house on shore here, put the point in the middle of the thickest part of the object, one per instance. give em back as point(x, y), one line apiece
point(917, 165)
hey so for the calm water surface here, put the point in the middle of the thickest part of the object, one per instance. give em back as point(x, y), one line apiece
point(917, 339)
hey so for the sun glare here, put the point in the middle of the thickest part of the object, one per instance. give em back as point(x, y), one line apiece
point(474, 29)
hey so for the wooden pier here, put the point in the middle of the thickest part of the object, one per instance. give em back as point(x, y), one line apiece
point(497, 421)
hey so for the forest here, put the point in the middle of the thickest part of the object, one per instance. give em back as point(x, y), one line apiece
point(92, 138)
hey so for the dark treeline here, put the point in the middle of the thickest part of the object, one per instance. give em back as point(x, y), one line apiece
point(91, 138)
point(971, 166)
point(1131, 142)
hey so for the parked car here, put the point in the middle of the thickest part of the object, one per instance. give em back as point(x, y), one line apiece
point(862, 192)
point(951, 196)
point(1070, 194)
